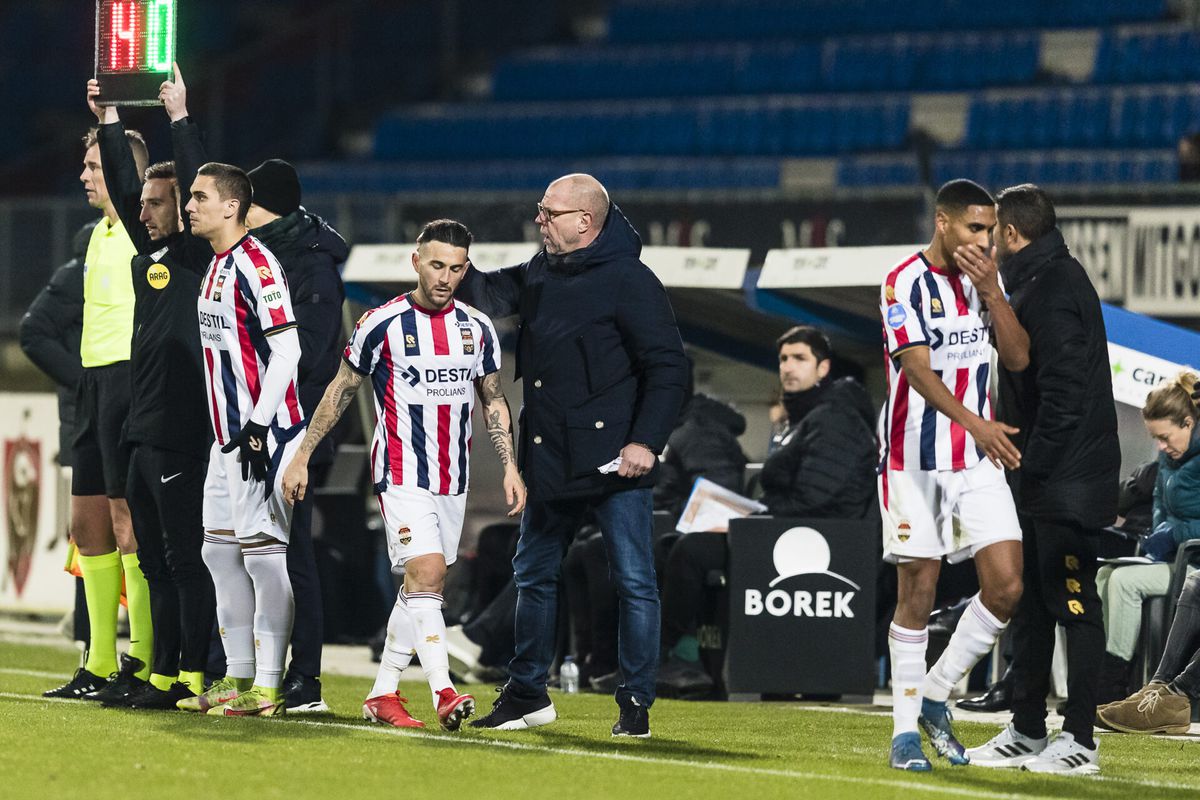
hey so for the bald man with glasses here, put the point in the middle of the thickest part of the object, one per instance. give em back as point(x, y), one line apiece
point(603, 370)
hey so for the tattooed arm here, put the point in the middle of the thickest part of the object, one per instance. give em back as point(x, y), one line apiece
point(499, 427)
point(337, 397)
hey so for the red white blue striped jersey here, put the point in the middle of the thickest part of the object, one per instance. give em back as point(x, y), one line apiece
point(423, 365)
point(923, 305)
point(243, 299)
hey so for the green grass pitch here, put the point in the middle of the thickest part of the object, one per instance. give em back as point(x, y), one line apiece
point(70, 749)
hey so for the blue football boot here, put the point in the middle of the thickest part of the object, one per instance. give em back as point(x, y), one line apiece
point(935, 720)
point(907, 754)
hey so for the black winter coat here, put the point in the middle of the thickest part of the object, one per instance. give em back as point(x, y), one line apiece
point(312, 255)
point(704, 445)
point(50, 333)
point(1062, 402)
point(599, 357)
point(825, 463)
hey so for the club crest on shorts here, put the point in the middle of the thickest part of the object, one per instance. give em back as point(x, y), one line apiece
point(405, 535)
point(905, 531)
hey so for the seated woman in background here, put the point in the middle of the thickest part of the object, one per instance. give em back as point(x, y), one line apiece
point(1170, 416)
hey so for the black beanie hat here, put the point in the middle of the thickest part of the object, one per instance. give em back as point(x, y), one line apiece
point(276, 186)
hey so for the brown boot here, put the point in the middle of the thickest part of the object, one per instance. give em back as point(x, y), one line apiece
point(1155, 712)
point(1152, 686)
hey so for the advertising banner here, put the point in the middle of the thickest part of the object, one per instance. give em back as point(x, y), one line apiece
point(33, 547)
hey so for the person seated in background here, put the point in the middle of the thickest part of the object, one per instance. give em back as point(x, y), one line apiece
point(822, 465)
point(1164, 705)
point(1170, 417)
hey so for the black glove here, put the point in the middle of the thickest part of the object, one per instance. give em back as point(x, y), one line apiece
point(253, 453)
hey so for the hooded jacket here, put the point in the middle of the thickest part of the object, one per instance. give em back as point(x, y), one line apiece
point(704, 445)
point(599, 357)
point(825, 463)
point(1062, 402)
point(1177, 493)
point(312, 255)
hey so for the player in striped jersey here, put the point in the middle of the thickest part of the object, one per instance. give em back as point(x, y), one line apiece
point(251, 349)
point(941, 486)
point(426, 354)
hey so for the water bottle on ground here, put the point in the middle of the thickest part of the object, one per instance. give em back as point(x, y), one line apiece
point(568, 676)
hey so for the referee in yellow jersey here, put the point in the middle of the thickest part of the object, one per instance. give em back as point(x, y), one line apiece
point(100, 522)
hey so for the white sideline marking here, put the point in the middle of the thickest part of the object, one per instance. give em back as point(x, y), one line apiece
point(32, 673)
point(919, 786)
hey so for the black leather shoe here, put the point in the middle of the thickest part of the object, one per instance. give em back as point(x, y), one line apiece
point(997, 698)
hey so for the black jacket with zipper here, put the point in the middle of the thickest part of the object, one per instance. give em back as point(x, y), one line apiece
point(1063, 401)
point(599, 357)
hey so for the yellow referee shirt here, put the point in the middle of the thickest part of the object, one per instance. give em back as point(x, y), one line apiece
point(107, 296)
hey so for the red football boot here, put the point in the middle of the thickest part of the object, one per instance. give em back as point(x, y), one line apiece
point(388, 709)
point(453, 708)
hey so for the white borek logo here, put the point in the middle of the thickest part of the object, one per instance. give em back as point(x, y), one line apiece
point(803, 551)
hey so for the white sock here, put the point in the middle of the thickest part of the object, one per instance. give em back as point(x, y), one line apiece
point(235, 602)
point(907, 649)
point(973, 637)
point(273, 611)
point(397, 650)
point(429, 637)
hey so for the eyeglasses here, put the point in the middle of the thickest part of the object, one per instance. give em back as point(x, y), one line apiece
point(550, 213)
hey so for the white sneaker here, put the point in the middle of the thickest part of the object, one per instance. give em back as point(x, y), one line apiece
point(1065, 756)
point(462, 652)
point(1007, 749)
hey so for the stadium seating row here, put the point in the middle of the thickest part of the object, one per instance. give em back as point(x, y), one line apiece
point(746, 127)
point(1050, 167)
point(1091, 117)
point(922, 61)
point(642, 21)
point(1133, 56)
point(500, 176)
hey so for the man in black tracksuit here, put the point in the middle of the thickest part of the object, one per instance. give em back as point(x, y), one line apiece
point(168, 425)
point(311, 253)
point(1066, 487)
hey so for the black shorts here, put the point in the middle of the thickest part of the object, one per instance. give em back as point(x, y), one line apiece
point(100, 459)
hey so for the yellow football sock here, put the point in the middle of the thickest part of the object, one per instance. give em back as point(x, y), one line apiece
point(162, 682)
point(193, 680)
point(102, 589)
point(272, 694)
point(137, 597)
point(243, 684)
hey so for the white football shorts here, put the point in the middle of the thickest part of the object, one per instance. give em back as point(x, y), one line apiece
point(418, 522)
point(951, 513)
point(241, 506)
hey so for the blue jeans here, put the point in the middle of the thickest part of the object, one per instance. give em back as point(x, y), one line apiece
point(547, 528)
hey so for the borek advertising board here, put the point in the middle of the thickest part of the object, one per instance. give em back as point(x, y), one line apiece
point(802, 605)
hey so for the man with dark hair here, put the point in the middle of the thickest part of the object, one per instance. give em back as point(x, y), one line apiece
point(425, 352)
point(251, 351)
point(100, 522)
point(941, 485)
point(167, 427)
point(822, 464)
point(604, 375)
point(312, 254)
point(1066, 488)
